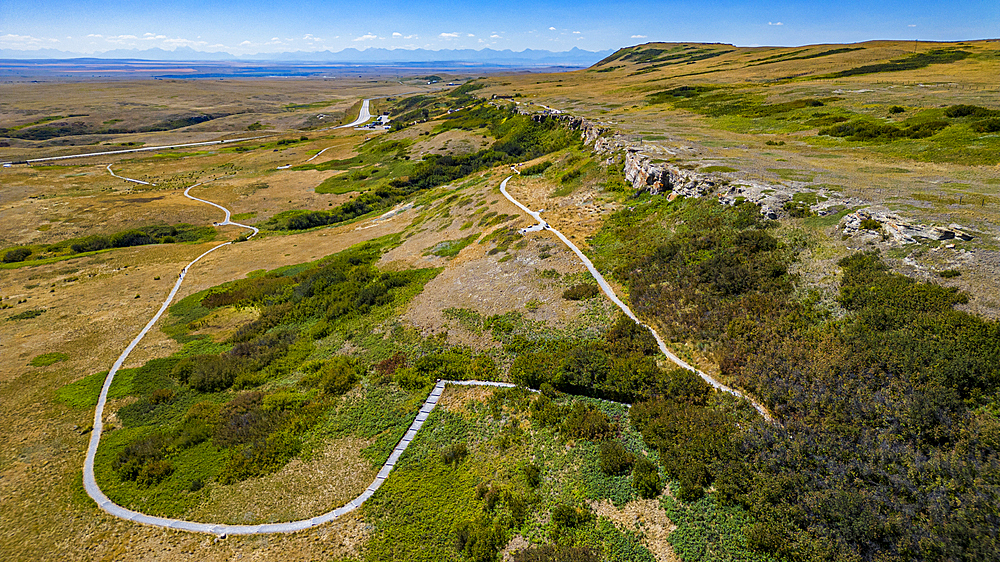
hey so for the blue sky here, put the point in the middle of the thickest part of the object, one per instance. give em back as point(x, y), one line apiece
point(264, 26)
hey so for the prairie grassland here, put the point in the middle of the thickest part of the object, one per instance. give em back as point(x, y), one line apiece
point(493, 295)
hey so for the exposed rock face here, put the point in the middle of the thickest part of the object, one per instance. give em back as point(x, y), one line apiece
point(645, 170)
point(589, 131)
point(658, 178)
point(898, 228)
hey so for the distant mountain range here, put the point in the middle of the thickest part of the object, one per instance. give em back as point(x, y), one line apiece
point(527, 57)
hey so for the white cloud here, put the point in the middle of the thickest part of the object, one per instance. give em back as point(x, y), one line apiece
point(396, 34)
point(552, 29)
point(495, 36)
point(911, 25)
point(775, 23)
point(576, 33)
point(245, 44)
point(366, 37)
point(448, 35)
point(181, 42)
point(21, 41)
point(471, 35)
point(638, 37)
point(275, 39)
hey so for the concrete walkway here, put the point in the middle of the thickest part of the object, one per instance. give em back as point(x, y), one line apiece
point(542, 225)
point(108, 506)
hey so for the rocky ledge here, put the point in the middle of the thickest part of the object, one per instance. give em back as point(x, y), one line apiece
point(647, 170)
point(874, 220)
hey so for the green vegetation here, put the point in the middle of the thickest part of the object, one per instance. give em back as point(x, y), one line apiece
point(46, 359)
point(788, 56)
point(518, 138)
point(903, 367)
point(215, 414)
point(877, 132)
point(16, 255)
point(39, 130)
point(956, 134)
point(451, 248)
point(909, 62)
point(27, 314)
point(155, 234)
point(581, 291)
point(464, 487)
point(536, 169)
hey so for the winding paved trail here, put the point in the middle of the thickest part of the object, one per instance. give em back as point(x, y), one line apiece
point(108, 506)
point(133, 180)
point(542, 225)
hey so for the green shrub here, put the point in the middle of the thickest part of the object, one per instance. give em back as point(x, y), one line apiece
point(870, 224)
point(569, 517)
point(91, 244)
point(454, 453)
point(880, 132)
point(16, 255)
point(571, 175)
point(898, 109)
point(480, 540)
point(797, 209)
point(142, 460)
point(949, 273)
point(686, 387)
point(964, 110)
point(614, 459)
point(586, 422)
point(335, 377)
point(646, 479)
point(130, 238)
point(161, 396)
point(581, 291)
point(987, 126)
point(532, 474)
point(27, 314)
point(536, 169)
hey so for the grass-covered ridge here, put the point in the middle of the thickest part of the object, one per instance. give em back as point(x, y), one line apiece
point(519, 138)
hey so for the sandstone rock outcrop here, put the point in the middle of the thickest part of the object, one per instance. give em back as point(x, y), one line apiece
point(898, 228)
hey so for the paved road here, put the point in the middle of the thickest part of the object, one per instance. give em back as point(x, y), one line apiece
point(363, 116)
point(542, 225)
point(144, 149)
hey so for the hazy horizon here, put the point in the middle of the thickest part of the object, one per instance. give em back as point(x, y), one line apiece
point(263, 28)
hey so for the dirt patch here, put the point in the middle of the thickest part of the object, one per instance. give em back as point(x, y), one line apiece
point(645, 517)
point(222, 323)
point(301, 489)
point(456, 398)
